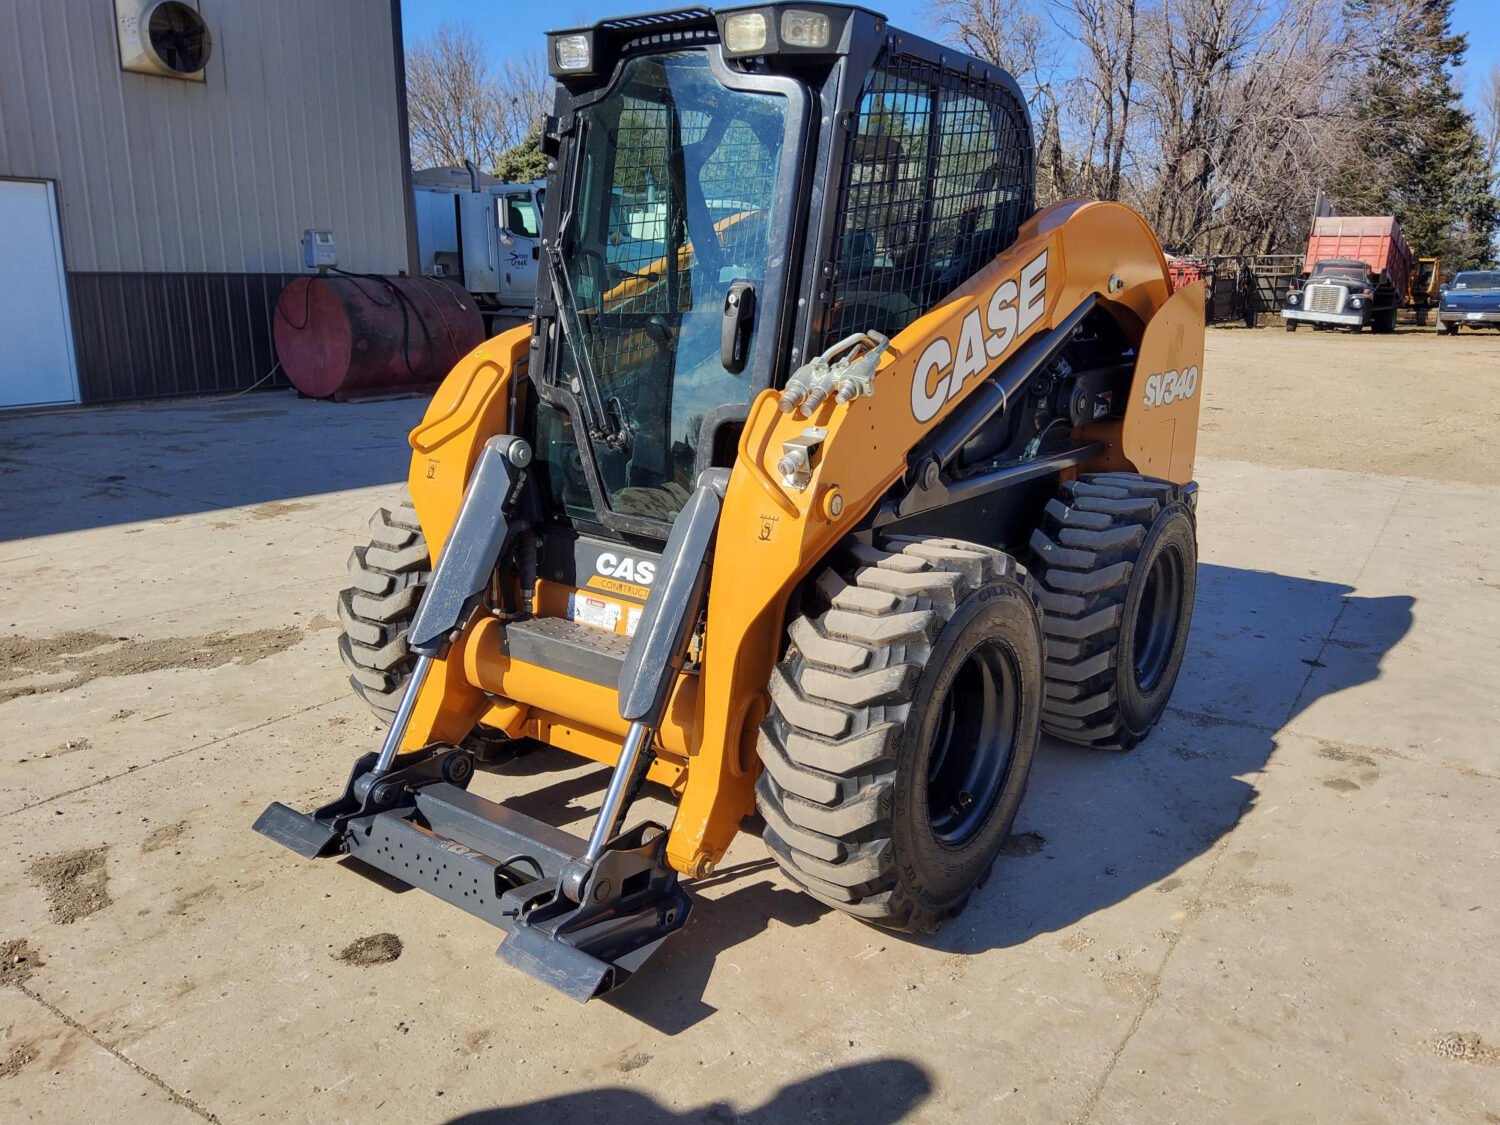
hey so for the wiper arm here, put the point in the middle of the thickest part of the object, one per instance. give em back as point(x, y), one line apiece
point(601, 425)
point(596, 418)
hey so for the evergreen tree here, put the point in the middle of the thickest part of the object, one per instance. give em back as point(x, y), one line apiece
point(522, 163)
point(1419, 155)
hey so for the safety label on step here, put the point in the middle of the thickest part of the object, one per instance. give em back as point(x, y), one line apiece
point(597, 612)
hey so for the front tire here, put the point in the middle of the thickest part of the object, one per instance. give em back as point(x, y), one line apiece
point(903, 723)
point(387, 579)
point(1117, 563)
point(1291, 326)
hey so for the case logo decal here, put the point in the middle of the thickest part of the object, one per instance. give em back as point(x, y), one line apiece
point(640, 571)
point(943, 368)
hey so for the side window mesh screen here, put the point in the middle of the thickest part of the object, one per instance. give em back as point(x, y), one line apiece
point(937, 179)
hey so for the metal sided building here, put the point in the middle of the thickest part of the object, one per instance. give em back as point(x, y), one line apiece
point(159, 161)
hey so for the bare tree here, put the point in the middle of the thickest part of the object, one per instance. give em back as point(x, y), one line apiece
point(1247, 117)
point(1288, 126)
point(461, 107)
point(1103, 94)
point(1219, 119)
point(452, 99)
point(1008, 34)
point(1082, 122)
point(525, 96)
point(1489, 121)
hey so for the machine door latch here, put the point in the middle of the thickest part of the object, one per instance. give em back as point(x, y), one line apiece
point(734, 334)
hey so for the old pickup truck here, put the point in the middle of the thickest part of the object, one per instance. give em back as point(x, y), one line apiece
point(1472, 299)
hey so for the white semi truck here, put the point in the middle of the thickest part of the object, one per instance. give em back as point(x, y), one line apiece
point(482, 233)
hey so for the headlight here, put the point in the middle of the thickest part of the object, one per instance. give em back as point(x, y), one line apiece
point(1356, 302)
point(572, 53)
point(746, 32)
point(1293, 298)
point(804, 29)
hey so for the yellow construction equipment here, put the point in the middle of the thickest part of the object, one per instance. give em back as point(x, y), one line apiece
point(828, 473)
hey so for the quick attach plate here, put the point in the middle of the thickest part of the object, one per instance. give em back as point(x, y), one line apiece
point(502, 866)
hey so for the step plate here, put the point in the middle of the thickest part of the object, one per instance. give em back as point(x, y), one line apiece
point(580, 651)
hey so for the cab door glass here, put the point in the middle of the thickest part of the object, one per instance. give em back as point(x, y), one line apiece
point(521, 217)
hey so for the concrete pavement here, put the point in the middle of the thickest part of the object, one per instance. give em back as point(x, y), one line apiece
point(1282, 907)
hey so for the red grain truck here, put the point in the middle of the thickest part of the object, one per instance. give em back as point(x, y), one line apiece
point(1357, 269)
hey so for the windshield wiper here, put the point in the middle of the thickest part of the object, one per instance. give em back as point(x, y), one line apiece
point(597, 420)
point(601, 423)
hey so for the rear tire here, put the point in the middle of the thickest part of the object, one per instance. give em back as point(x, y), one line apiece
point(1449, 329)
point(928, 648)
point(1117, 563)
point(387, 581)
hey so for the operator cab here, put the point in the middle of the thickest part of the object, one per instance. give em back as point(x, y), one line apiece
point(712, 224)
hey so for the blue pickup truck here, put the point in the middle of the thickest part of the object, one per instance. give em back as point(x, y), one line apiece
point(1472, 298)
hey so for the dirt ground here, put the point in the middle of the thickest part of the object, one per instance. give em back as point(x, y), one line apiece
point(1281, 907)
point(1413, 404)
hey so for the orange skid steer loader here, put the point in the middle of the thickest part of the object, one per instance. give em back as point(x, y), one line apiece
point(827, 474)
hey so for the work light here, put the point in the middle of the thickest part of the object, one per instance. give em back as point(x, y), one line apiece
point(804, 29)
point(777, 30)
point(745, 33)
point(572, 54)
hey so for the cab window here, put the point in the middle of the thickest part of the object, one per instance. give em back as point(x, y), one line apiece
point(520, 216)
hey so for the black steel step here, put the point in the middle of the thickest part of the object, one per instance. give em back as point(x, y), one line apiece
point(581, 651)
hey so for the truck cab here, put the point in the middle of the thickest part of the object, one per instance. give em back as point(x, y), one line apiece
point(482, 233)
point(518, 223)
point(1341, 292)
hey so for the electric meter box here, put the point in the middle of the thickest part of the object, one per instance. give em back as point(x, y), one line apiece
point(318, 250)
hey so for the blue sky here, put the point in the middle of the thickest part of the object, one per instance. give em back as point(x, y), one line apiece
point(513, 26)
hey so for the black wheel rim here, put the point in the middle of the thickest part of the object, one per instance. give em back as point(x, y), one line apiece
point(974, 745)
point(1156, 620)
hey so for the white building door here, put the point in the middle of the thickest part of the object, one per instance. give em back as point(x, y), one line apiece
point(36, 338)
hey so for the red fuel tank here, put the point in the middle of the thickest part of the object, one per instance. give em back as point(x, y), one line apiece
point(342, 336)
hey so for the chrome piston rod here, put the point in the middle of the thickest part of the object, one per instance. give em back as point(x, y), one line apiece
point(393, 737)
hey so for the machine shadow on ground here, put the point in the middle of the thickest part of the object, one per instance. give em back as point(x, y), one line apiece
point(101, 467)
point(879, 1092)
point(1096, 827)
